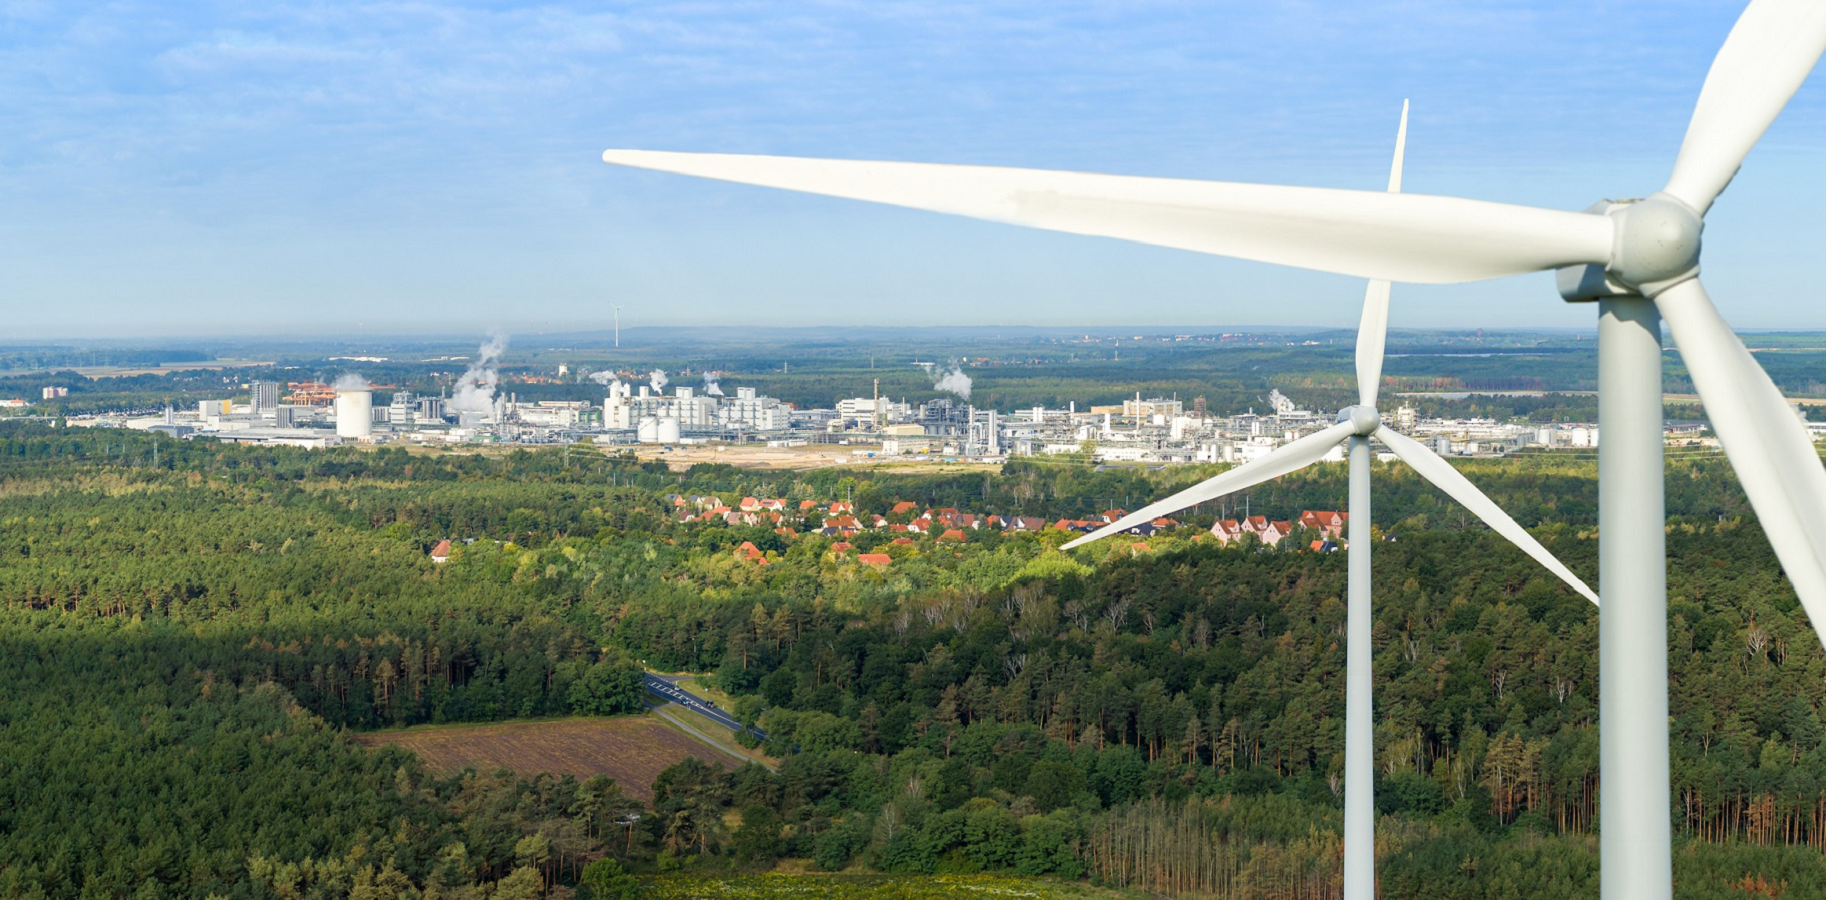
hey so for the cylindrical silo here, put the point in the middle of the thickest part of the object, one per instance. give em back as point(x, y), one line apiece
point(354, 414)
point(648, 431)
point(668, 430)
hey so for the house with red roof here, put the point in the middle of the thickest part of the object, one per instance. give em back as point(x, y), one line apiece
point(874, 559)
point(953, 536)
point(845, 526)
point(904, 506)
point(1227, 531)
point(441, 552)
point(1330, 522)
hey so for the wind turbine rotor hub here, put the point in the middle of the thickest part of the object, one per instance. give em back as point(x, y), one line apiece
point(1657, 244)
point(1363, 419)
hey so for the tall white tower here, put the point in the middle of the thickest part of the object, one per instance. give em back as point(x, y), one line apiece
point(354, 414)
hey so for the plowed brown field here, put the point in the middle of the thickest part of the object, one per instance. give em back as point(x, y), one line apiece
point(633, 750)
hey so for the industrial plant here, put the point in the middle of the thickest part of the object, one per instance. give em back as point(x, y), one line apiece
point(647, 410)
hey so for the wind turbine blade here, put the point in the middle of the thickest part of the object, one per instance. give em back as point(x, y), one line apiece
point(1372, 332)
point(1372, 339)
point(1371, 234)
point(1401, 151)
point(1763, 62)
point(1437, 470)
point(1769, 448)
point(1287, 458)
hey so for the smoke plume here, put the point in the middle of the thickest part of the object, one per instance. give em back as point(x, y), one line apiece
point(604, 377)
point(710, 385)
point(475, 391)
point(351, 381)
point(950, 378)
point(658, 380)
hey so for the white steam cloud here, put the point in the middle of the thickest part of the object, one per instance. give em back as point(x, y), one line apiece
point(475, 391)
point(950, 378)
point(351, 381)
point(658, 380)
point(710, 386)
point(604, 377)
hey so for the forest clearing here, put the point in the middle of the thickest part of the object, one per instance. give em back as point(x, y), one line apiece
point(633, 750)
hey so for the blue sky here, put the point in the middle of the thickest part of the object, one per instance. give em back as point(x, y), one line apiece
point(213, 168)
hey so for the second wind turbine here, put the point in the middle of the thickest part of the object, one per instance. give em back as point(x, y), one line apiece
point(1356, 425)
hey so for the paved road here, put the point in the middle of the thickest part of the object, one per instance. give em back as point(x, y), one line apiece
point(666, 688)
point(665, 710)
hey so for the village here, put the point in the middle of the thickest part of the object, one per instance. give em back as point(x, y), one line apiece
point(1317, 530)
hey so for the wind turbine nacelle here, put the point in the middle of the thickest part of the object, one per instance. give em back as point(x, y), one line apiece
point(1588, 284)
point(1656, 247)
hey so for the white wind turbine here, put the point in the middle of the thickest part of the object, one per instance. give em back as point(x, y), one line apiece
point(1639, 259)
point(1356, 425)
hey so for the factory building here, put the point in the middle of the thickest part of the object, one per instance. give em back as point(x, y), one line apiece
point(746, 411)
point(867, 410)
point(945, 416)
point(624, 409)
point(265, 397)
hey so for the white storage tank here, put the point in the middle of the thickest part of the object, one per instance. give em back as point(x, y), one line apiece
point(354, 414)
point(668, 431)
point(647, 432)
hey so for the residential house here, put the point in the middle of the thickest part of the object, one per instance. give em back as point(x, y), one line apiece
point(846, 526)
point(1274, 532)
point(1329, 522)
point(751, 553)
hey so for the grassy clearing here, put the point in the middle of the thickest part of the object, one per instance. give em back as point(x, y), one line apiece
point(633, 750)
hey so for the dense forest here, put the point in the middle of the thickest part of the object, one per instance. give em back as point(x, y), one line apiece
point(191, 635)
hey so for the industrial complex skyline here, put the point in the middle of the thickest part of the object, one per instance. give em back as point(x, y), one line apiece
point(389, 170)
